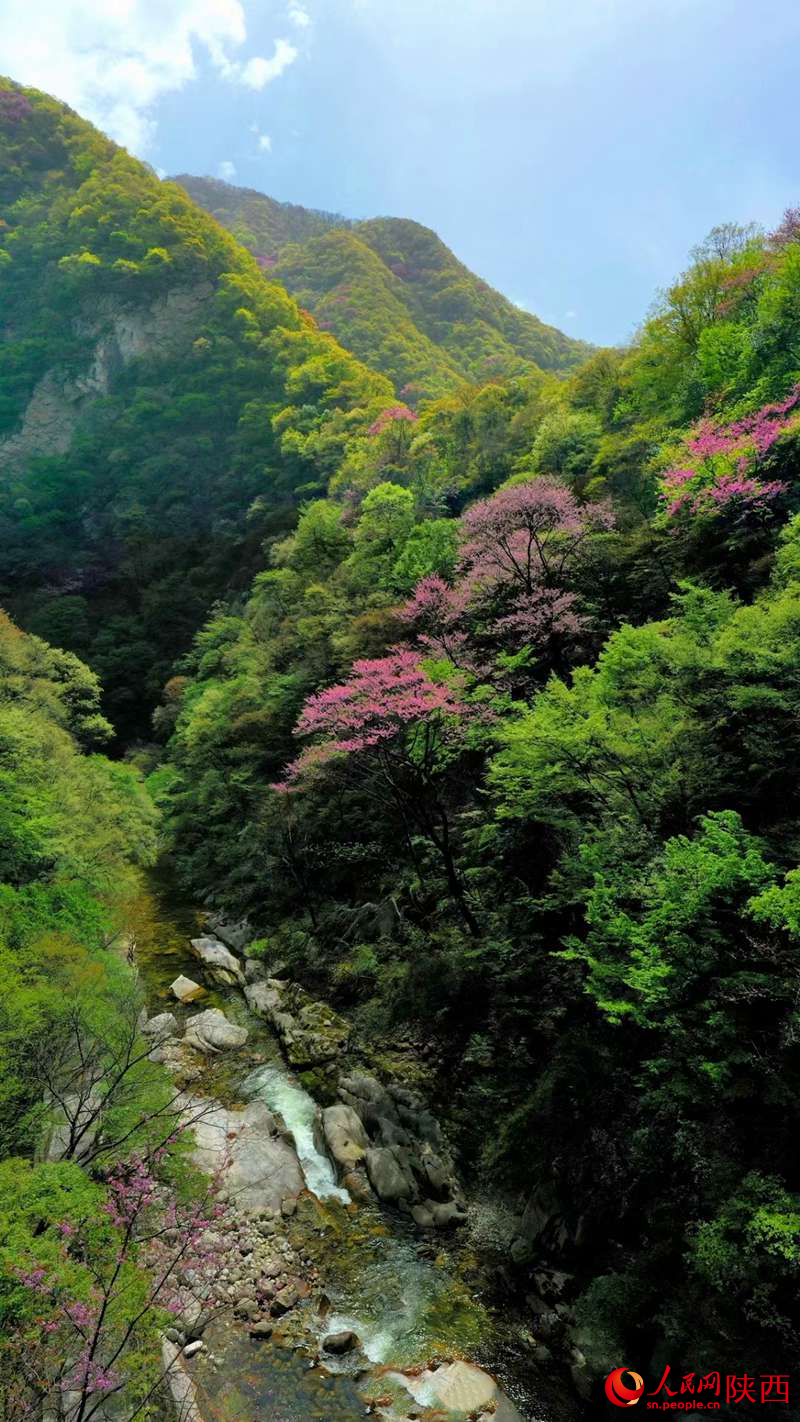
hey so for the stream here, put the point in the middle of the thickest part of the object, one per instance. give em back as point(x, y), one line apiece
point(402, 1295)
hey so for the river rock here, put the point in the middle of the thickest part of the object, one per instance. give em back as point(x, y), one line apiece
point(262, 1329)
point(342, 1342)
point(448, 1214)
point(345, 1136)
point(218, 961)
point(285, 1299)
point(160, 1027)
point(211, 1032)
point(186, 990)
point(76, 1123)
point(258, 1169)
point(389, 1178)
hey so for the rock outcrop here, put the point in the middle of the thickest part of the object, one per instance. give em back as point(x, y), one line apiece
point(161, 1027)
point(391, 1132)
point(116, 335)
point(344, 1135)
point(311, 1032)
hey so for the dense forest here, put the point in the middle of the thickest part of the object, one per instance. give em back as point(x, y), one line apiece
point(482, 709)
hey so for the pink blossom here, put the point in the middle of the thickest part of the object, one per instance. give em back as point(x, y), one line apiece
point(387, 417)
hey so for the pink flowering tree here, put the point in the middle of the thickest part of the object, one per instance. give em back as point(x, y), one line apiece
point(97, 1289)
point(394, 414)
point(724, 467)
point(393, 732)
point(519, 552)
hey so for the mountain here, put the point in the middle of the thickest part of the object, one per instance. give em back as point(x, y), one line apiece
point(390, 291)
point(153, 388)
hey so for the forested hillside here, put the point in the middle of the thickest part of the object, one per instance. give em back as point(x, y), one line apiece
point(484, 713)
point(391, 292)
point(153, 388)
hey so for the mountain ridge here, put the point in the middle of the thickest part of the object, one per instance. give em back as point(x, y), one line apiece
point(391, 291)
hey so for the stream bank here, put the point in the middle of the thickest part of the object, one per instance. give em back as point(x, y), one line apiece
point(424, 1340)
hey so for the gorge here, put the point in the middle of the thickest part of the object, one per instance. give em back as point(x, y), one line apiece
point(399, 814)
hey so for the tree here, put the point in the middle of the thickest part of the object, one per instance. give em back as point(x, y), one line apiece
point(397, 733)
point(90, 1270)
point(519, 550)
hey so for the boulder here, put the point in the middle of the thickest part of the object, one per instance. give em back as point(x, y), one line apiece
point(345, 1137)
point(75, 1126)
point(258, 1169)
point(461, 1387)
point(262, 1329)
point(310, 1031)
point(389, 1178)
point(219, 961)
point(285, 1299)
point(160, 1027)
point(342, 1342)
point(186, 990)
point(262, 998)
point(211, 1032)
point(447, 1215)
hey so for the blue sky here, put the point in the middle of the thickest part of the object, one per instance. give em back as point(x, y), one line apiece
point(569, 151)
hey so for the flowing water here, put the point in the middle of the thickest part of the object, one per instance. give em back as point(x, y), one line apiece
point(400, 1295)
point(299, 1112)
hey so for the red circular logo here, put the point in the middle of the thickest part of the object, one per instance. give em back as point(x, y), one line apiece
point(619, 1390)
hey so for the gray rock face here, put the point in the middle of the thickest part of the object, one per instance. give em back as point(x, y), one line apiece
point(262, 998)
point(464, 1388)
point(186, 990)
point(345, 1136)
point(219, 962)
point(160, 1027)
point(258, 1169)
point(118, 335)
point(76, 1126)
point(211, 1032)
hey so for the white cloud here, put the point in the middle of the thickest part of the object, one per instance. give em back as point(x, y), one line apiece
point(258, 71)
point(227, 170)
point(112, 61)
point(265, 143)
point(299, 17)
